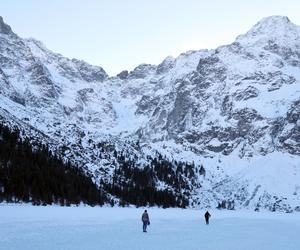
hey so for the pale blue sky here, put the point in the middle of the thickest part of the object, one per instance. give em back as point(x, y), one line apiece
point(120, 34)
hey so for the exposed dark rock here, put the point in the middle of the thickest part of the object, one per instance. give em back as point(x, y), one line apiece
point(201, 82)
point(217, 149)
point(4, 28)
point(88, 72)
point(293, 115)
point(123, 74)
point(142, 71)
point(40, 75)
point(166, 65)
point(83, 94)
point(246, 115)
point(227, 105)
point(245, 94)
point(212, 68)
point(146, 104)
point(16, 97)
point(176, 119)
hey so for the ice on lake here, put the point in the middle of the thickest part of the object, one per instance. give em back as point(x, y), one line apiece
point(27, 227)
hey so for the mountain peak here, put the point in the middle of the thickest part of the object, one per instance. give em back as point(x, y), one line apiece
point(274, 19)
point(272, 22)
point(4, 28)
point(278, 28)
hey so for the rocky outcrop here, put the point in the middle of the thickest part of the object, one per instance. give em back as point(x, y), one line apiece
point(4, 28)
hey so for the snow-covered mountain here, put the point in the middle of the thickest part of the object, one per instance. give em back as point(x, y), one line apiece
point(234, 109)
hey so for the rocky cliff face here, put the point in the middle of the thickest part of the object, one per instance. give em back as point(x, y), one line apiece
point(234, 109)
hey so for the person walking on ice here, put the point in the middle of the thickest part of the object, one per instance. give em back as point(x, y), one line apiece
point(145, 220)
point(207, 216)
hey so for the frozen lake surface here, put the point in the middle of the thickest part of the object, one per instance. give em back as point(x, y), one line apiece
point(28, 227)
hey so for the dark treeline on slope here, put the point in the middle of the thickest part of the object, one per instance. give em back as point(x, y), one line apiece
point(160, 182)
point(39, 177)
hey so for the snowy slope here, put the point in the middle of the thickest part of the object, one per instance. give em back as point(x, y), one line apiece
point(234, 109)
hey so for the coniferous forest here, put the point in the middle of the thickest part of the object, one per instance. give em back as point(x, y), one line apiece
point(36, 175)
point(39, 177)
point(151, 185)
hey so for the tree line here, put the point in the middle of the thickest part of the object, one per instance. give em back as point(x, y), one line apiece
point(35, 174)
point(38, 176)
point(158, 183)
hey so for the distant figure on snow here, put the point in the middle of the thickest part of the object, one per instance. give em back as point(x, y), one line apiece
point(145, 220)
point(207, 216)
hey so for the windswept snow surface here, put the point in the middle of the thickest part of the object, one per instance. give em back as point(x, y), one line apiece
point(28, 227)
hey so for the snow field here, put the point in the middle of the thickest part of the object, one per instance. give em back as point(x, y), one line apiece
point(27, 227)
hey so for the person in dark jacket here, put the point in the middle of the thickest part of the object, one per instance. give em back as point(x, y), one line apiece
point(207, 216)
point(145, 220)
